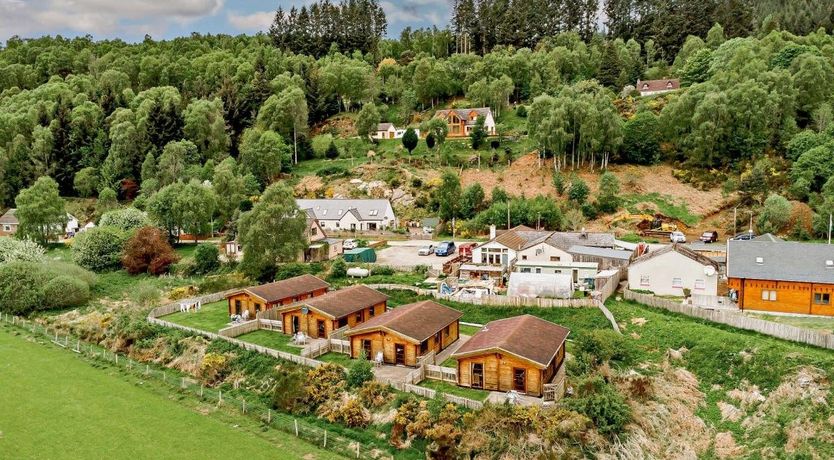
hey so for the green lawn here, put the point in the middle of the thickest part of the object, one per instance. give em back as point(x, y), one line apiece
point(271, 339)
point(822, 324)
point(212, 317)
point(468, 330)
point(337, 358)
point(471, 393)
point(54, 405)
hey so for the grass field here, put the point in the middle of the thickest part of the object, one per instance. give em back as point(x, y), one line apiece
point(822, 324)
point(271, 339)
point(471, 393)
point(212, 317)
point(58, 406)
point(337, 358)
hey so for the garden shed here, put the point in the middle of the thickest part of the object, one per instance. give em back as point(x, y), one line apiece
point(363, 255)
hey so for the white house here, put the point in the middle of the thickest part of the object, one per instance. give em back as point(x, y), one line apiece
point(389, 131)
point(354, 215)
point(545, 257)
point(670, 270)
point(652, 87)
point(72, 225)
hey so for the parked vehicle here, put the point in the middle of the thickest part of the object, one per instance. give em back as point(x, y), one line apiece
point(350, 244)
point(465, 249)
point(445, 249)
point(709, 237)
point(428, 230)
point(745, 236)
point(426, 250)
point(677, 237)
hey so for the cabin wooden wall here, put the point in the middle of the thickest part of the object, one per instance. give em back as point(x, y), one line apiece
point(791, 297)
point(307, 323)
point(498, 372)
point(446, 339)
point(384, 342)
point(378, 309)
point(249, 302)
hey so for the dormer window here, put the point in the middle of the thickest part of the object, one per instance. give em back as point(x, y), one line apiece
point(829, 264)
point(669, 85)
point(759, 260)
point(645, 86)
point(374, 212)
point(324, 212)
point(340, 212)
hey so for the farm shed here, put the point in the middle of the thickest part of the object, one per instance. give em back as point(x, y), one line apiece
point(406, 333)
point(522, 353)
point(320, 316)
point(363, 255)
point(261, 298)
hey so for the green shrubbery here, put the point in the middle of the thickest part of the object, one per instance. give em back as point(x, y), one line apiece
point(14, 250)
point(603, 404)
point(206, 259)
point(333, 171)
point(99, 249)
point(29, 286)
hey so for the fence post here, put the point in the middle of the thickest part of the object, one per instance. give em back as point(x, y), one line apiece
point(147, 369)
point(357, 450)
point(268, 416)
point(295, 422)
point(201, 391)
point(220, 395)
point(325, 438)
point(243, 404)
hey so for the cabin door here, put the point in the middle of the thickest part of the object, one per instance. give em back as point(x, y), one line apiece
point(320, 329)
point(366, 346)
point(399, 354)
point(520, 380)
point(296, 324)
point(477, 375)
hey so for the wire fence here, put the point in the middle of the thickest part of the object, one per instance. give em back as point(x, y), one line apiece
point(233, 403)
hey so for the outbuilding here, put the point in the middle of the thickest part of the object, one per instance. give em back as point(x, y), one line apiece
point(256, 299)
point(405, 333)
point(362, 255)
point(318, 317)
point(674, 270)
point(522, 353)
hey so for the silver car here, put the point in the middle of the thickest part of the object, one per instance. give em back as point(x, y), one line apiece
point(426, 250)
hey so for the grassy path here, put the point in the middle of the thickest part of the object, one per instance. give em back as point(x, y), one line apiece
point(57, 406)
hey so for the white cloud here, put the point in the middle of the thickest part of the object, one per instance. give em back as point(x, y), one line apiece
point(257, 21)
point(417, 12)
point(38, 17)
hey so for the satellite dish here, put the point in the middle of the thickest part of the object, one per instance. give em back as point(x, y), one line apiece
point(709, 270)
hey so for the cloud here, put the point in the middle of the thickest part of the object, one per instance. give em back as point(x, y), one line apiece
point(260, 20)
point(417, 12)
point(99, 17)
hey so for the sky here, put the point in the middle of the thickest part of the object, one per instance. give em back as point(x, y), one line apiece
point(130, 20)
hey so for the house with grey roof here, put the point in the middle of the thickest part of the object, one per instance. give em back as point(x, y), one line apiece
point(390, 131)
point(462, 121)
point(351, 215)
point(672, 271)
point(605, 258)
point(781, 276)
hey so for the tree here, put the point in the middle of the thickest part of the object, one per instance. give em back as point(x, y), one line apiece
point(360, 371)
point(41, 212)
point(332, 151)
point(367, 121)
point(262, 153)
point(126, 219)
point(229, 188)
point(430, 141)
point(499, 195)
point(163, 209)
point(478, 134)
point(775, 214)
point(449, 197)
point(106, 200)
point(206, 259)
point(410, 140)
point(205, 127)
point(99, 249)
point(286, 113)
point(579, 191)
point(86, 182)
point(608, 198)
point(148, 251)
point(175, 158)
point(338, 269)
point(272, 232)
point(195, 207)
point(472, 201)
point(641, 139)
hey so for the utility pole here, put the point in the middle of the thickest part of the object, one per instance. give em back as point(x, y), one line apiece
point(830, 224)
point(508, 215)
point(735, 221)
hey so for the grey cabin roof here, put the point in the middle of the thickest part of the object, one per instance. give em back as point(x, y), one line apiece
point(680, 249)
point(464, 113)
point(384, 126)
point(565, 240)
point(335, 209)
point(781, 261)
point(9, 217)
point(606, 253)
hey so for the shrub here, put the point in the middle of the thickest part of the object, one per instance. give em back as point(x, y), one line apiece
point(521, 111)
point(290, 270)
point(324, 383)
point(559, 182)
point(125, 219)
point(338, 269)
point(375, 394)
point(383, 270)
point(603, 404)
point(145, 294)
point(289, 392)
point(85, 181)
point(217, 283)
point(579, 191)
point(332, 151)
point(148, 251)
point(99, 249)
point(14, 250)
point(775, 214)
point(64, 291)
point(352, 414)
point(605, 345)
point(206, 259)
point(333, 171)
point(212, 367)
point(20, 292)
point(360, 372)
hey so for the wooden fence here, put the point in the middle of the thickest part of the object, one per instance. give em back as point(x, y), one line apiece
point(240, 329)
point(738, 320)
point(444, 374)
point(494, 300)
point(339, 346)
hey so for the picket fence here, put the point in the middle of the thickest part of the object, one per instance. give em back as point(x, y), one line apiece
point(444, 374)
point(493, 300)
point(738, 320)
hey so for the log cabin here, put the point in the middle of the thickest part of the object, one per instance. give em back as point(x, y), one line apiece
point(319, 316)
point(522, 353)
point(256, 299)
point(405, 333)
point(781, 276)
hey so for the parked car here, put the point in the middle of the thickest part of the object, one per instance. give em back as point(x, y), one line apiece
point(350, 244)
point(426, 250)
point(709, 237)
point(745, 236)
point(677, 237)
point(428, 230)
point(445, 248)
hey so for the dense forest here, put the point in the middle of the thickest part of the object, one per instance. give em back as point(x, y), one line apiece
point(134, 118)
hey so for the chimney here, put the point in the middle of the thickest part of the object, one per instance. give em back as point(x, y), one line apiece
point(492, 232)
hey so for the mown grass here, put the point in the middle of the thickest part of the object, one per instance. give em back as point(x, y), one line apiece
point(822, 324)
point(212, 317)
point(443, 387)
point(337, 358)
point(271, 339)
point(468, 330)
point(58, 406)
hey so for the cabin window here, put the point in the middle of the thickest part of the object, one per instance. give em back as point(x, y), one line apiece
point(337, 225)
point(372, 311)
point(555, 259)
point(523, 257)
point(237, 307)
point(343, 322)
point(7, 228)
point(677, 282)
point(520, 379)
point(644, 280)
point(314, 231)
point(699, 284)
point(359, 317)
point(257, 307)
point(769, 295)
point(822, 298)
point(525, 270)
point(538, 270)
